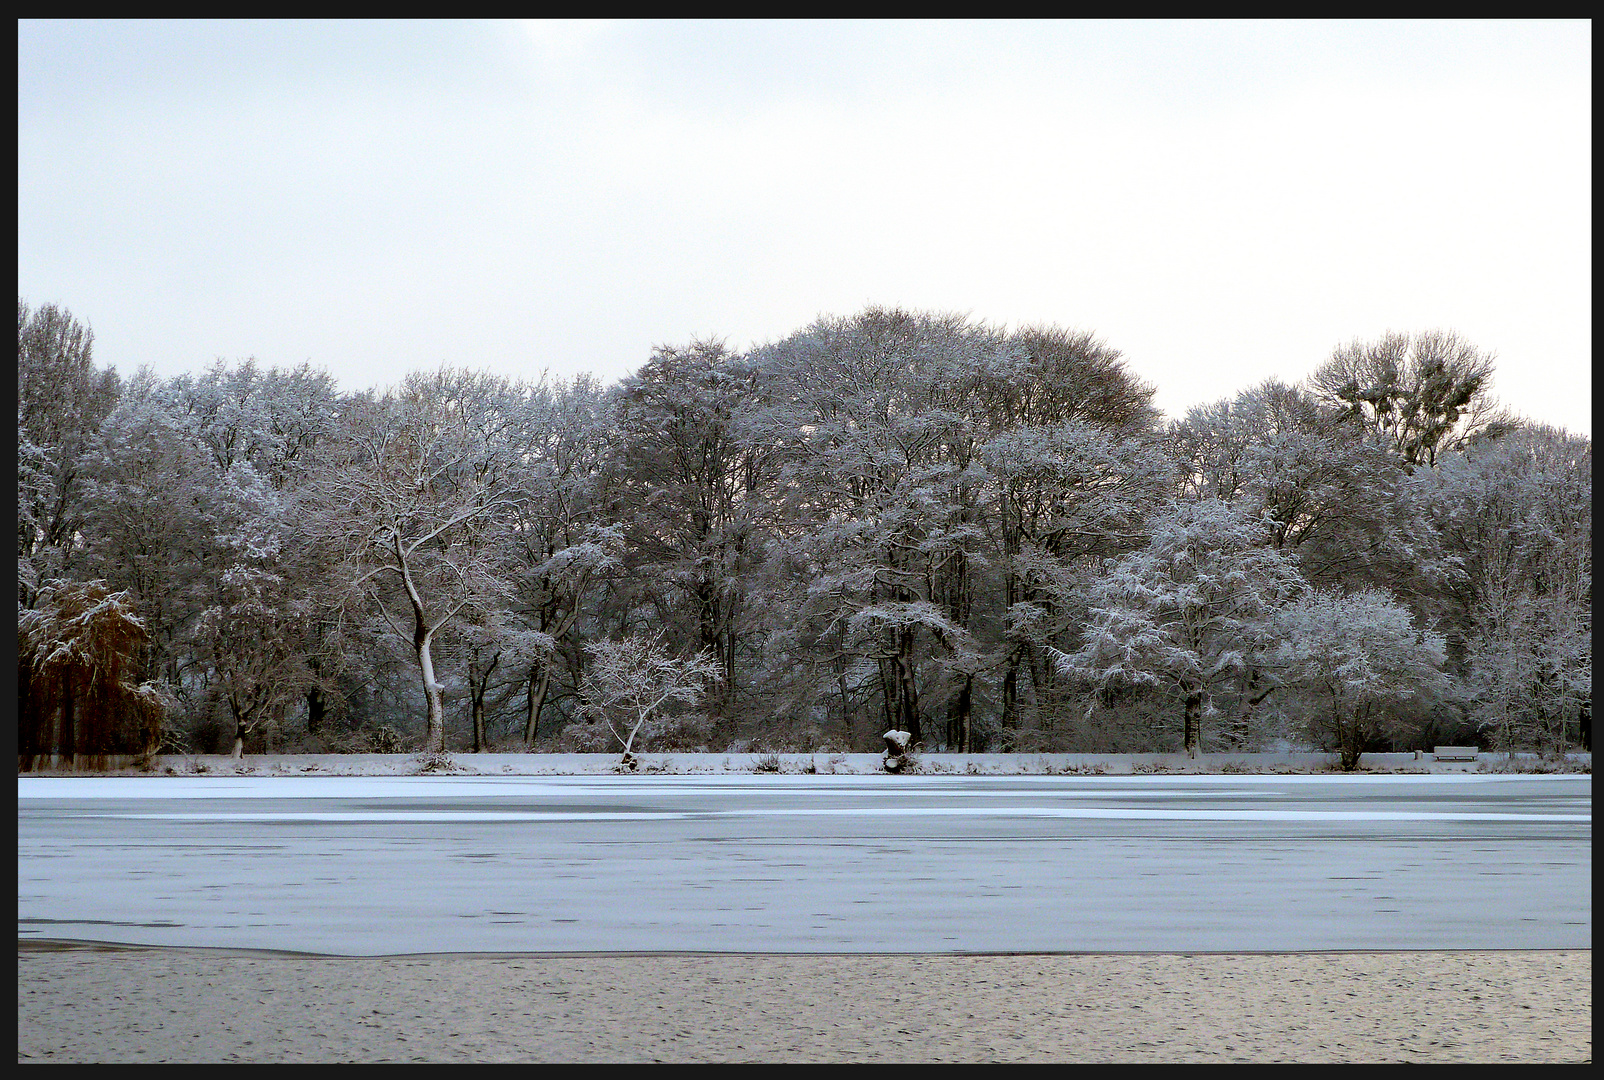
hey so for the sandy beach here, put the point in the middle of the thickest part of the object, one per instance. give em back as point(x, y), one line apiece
point(117, 1004)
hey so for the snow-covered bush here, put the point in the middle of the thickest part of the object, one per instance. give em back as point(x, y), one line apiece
point(632, 680)
point(436, 761)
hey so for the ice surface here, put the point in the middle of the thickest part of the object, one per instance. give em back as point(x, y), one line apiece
point(764, 863)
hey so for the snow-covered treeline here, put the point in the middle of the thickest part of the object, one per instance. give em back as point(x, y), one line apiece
point(990, 539)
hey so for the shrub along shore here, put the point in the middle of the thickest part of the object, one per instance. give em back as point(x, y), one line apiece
point(926, 764)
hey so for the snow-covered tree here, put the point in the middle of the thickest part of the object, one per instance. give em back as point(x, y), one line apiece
point(553, 595)
point(1064, 495)
point(256, 632)
point(1335, 496)
point(253, 639)
point(255, 429)
point(150, 526)
point(695, 487)
point(896, 519)
point(1042, 376)
point(1192, 611)
point(565, 542)
point(418, 494)
point(199, 536)
point(268, 419)
point(1073, 468)
point(880, 488)
point(1515, 513)
point(1352, 659)
point(34, 469)
point(491, 648)
point(62, 398)
point(1285, 458)
point(631, 681)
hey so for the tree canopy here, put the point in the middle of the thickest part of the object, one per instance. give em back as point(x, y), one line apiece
point(987, 537)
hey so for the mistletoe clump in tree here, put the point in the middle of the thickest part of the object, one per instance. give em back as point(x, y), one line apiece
point(1425, 394)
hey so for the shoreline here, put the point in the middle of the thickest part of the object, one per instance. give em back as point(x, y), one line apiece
point(822, 763)
point(90, 945)
point(135, 1003)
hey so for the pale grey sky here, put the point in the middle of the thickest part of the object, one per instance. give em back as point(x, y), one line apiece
point(1222, 202)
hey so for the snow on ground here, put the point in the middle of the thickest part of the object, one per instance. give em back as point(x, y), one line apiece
point(836, 764)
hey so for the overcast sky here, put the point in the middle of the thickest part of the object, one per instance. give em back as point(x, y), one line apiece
point(1222, 202)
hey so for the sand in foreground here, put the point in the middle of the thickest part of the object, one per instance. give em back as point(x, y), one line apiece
point(180, 1005)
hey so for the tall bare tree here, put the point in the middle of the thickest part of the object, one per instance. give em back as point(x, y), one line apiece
point(418, 493)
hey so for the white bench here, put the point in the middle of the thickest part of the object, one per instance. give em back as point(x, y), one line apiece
point(1454, 753)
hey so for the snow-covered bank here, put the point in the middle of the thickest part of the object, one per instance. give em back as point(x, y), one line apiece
point(832, 764)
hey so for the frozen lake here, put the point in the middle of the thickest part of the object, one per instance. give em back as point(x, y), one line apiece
point(799, 864)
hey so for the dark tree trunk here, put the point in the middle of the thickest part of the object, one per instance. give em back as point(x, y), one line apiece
point(1194, 722)
point(958, 716)
point(316, 710)
point(69, 736)
point(539, 684)
point(888, 694)
point(1036, 658)
point(1350, 740)
point(28, 734)
point(1350, 745)
point(712, 624)
point(1016, 656)
point(840, 664)
point(478, 687)
point(907, 691)
point(1010, 692)
point(1351, 734)
point(1239, 733)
